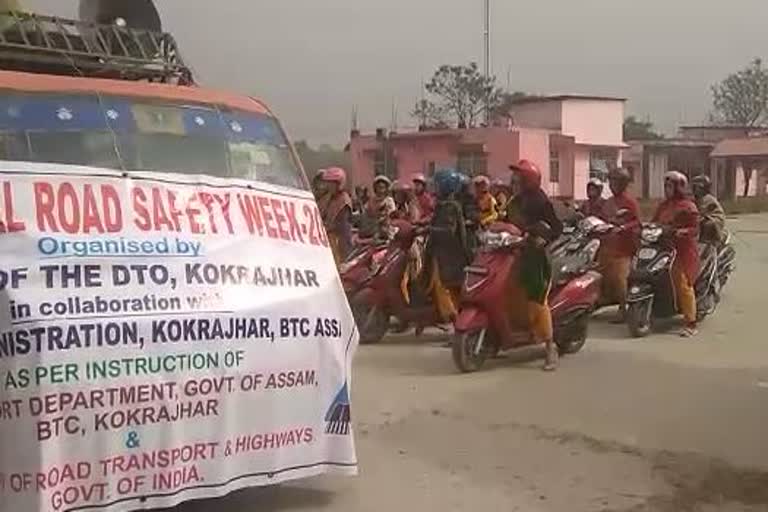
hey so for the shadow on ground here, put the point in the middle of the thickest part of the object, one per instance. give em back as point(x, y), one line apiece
point(279, 498)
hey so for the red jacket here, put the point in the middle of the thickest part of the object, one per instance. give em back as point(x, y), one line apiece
point(426, 204)
point(682, 216)
point(625, 243)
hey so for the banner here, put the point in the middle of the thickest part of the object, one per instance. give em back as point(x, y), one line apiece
point(164, 338)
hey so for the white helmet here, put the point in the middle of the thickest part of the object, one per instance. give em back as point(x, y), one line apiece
point(676, 177)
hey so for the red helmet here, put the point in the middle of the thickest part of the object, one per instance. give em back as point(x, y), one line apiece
point(529, 172)
point(419, 178)
point(336, 175)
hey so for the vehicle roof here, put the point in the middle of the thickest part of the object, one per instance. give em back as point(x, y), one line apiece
point(34, 82)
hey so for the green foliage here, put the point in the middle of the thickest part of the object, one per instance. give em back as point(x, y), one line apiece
point(458, 95)
point(635, 129)
point(742, 98)
point(429, 114)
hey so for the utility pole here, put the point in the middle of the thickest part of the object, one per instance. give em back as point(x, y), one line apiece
point(487, 57)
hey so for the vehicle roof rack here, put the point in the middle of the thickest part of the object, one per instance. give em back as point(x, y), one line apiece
point(46, 44)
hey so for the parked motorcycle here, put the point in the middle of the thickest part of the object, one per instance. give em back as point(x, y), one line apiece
point(493, 316)
point(651, 293)
point(382, 296)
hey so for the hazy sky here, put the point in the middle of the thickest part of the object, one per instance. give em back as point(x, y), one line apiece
point(312, 60)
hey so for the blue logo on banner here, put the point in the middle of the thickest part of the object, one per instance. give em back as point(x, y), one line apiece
point(339, 416)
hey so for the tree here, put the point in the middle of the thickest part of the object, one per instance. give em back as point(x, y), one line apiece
point(429, 114)
point(461, 94)
point(635, 129)
point(742, 98)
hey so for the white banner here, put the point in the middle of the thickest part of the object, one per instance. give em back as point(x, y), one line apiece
point(164, 338)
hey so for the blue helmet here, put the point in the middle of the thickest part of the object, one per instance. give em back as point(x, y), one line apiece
point(447, 182)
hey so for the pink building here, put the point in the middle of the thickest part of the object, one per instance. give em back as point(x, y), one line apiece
point(566, 136)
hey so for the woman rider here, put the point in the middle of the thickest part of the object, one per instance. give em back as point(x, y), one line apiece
point(381, 204)
point(620, 247)
point(712, 225)
point(679, 217)
point(594, 206)
point(406, 207)
point(424, 199)
point(532, 211)
point(486, 203)
point(447, 250)
point(501, 193)
point(337, 213)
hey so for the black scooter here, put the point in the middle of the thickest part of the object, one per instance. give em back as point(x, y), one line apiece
point(651, 293)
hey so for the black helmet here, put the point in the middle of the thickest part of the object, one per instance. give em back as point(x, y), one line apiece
point(620, 175)
point(702, 184)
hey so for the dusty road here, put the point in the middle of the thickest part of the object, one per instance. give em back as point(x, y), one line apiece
point(662, 424)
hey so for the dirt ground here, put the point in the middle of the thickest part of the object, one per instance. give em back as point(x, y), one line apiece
point(663, 424)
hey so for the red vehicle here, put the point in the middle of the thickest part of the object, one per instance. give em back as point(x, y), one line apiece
point(356, 269)
point(493, 315)
point(383, 296)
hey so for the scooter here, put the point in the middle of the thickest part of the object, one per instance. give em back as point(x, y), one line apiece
point(381, 296)
point(571, 233)
point(584, 239)
point(651, 293)
point(356, 269)
point(493, 316)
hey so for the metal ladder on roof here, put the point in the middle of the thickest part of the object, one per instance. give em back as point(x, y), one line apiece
point(47, 44)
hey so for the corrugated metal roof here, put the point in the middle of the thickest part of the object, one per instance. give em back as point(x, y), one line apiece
point(751, 146)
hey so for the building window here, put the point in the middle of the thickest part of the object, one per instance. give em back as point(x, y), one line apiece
point(431, 169)
point(384, 164)
point(472, 163)
point(379, 164)
point(554, 166)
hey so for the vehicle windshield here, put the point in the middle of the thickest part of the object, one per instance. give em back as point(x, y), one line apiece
point(143, 135)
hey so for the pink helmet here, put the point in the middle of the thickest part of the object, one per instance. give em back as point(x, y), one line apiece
point(401, 186)
point(419, 178)
point(336, 175)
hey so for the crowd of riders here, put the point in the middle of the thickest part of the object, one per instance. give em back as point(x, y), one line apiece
point(453, 208)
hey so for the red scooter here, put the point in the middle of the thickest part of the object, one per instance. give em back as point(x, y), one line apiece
point(381, 296)
point(356, 269)
point(493, 315)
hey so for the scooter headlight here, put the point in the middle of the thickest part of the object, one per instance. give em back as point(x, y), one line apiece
point(659, 264)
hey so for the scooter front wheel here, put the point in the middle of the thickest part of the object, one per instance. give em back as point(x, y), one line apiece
point(470, 350)
point(372, 323)
point(639, 318)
